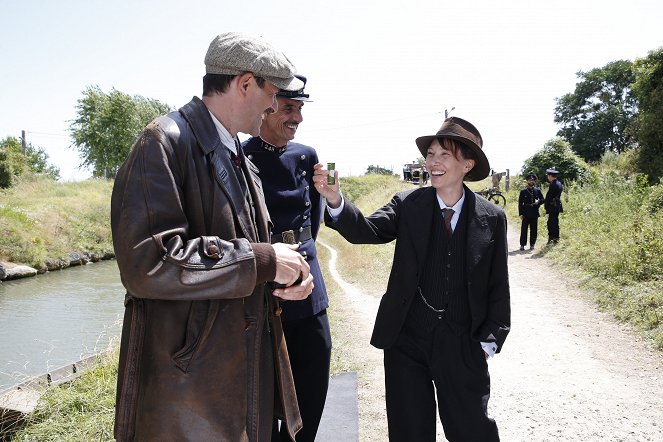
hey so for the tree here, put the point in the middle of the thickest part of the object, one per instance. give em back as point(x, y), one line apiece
point(14, 163)
point(595, 118)
point(557, 153)
point(378, 170)
point(107, 126)
point(648, 126)
point(6, 172)
point(37, 162)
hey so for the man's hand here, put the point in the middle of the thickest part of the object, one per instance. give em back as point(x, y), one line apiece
point(296, 292)
point(293, 271)
point(331, 192)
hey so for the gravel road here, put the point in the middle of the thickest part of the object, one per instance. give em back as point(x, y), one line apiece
point(567, 372)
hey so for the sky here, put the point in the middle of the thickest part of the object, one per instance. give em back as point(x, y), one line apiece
point(380, 73)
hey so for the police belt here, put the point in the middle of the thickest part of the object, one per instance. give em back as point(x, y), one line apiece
point(293, 236)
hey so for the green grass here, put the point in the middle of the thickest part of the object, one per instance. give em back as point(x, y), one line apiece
point(78, 411)
point(41, 219)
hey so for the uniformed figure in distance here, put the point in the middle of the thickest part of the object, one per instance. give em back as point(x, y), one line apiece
point(553, 204)
point(529, 200)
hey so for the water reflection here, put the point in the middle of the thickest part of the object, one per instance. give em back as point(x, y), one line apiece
point(58, 318)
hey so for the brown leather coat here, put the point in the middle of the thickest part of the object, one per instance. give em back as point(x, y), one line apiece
point(201, 345)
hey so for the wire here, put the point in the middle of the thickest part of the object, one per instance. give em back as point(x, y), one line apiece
point(46, 133)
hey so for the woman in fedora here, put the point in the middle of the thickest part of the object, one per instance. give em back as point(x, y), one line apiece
point(446, 309)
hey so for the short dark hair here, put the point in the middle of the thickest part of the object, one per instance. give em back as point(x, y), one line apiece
point(456, 148)
point(218, 83)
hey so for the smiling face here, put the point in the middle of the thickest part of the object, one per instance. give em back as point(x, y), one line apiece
point(280, 127)
point(446, 165)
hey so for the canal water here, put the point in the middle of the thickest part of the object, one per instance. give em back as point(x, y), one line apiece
point(55, 319)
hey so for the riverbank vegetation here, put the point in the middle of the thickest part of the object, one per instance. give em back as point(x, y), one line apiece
point(610, 240)
point(81, 411)
point(42, 219)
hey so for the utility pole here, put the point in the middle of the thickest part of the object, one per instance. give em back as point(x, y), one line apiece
point(23, 143)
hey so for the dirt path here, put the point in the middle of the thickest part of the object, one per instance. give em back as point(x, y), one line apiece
point(567, 372)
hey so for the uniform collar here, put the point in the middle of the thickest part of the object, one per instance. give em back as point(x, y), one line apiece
point(271, 148)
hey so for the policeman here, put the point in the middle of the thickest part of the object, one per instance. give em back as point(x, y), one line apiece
point(529, 200)
point(553, 205)
point(295, 207)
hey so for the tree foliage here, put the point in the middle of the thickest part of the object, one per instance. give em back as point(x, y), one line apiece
point(107, 125)
point(595, 117)
point(378, 170)
point(648, 126)
point(14, 163)
point(557, 153)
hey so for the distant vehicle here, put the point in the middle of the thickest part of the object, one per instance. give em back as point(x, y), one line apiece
point(415, 173)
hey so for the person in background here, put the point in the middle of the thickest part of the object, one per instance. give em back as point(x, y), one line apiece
point(553, 204)
point(447, 305)
point(286, 171)
point(529, 200)
point(202, 354)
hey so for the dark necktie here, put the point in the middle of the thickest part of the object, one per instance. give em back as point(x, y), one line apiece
point(448, 214)
point(236, 159)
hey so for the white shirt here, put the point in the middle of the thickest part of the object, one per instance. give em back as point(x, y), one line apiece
point(457, 208)
point(226, 139)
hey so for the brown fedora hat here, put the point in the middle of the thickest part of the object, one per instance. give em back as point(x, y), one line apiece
point(464, 132)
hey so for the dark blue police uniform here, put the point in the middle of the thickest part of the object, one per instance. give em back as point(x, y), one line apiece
point(529, 200)
point(295, 209)
point(553, 206)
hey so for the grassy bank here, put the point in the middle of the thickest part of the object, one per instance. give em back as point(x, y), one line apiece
point(44, 220)
point(611, 242)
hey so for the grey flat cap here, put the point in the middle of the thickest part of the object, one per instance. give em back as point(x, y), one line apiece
point(233, 53)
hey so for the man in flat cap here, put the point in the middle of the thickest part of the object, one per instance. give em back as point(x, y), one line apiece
point(446, 309)
point(553, 204)
point(202, 355)
point(286, 171)
point(529, 200)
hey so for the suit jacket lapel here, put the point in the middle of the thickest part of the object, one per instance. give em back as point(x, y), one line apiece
point(478, 229)
point(420, 218)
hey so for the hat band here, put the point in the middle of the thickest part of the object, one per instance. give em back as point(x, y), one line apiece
point(292, 94)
